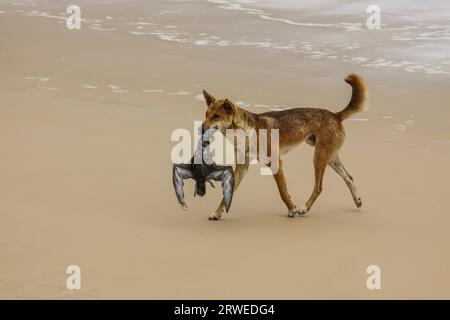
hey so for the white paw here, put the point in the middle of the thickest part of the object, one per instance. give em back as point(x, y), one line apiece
point(302, 211)
point(292, 212)
point(214, 216)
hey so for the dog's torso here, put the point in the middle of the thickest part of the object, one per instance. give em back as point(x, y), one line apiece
point(294, 126)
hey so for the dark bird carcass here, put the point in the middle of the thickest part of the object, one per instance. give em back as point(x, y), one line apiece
point(203, 169)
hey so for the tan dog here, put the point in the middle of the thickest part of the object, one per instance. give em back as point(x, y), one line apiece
point(318, 127)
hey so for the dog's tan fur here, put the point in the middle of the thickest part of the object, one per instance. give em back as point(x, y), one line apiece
point(318, 127)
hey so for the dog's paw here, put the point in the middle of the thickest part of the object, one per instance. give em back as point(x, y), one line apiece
point(292, 212)
point(358, 203)
point(214, 216)
point(302, 211)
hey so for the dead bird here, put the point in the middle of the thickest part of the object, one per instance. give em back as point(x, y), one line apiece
point(202, 169)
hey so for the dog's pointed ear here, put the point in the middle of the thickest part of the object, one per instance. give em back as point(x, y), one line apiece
point(228, 106)
point(208, 98)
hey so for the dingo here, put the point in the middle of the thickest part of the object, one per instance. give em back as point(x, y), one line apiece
point(317, 127)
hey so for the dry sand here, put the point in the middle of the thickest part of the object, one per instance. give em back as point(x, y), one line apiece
point(85, 124)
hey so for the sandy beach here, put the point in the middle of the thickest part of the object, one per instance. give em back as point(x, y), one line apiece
point(86, 176)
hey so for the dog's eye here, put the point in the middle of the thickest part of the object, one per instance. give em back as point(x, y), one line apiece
point(216, 116)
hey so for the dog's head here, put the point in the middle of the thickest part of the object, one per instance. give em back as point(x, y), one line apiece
point(220, 113)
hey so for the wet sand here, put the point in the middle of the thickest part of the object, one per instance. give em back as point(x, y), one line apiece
point(86, 118)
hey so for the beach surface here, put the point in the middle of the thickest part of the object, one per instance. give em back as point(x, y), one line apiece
point(86, 118)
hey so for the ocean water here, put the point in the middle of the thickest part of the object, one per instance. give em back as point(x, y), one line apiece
point(400, 9)
point(414, 36)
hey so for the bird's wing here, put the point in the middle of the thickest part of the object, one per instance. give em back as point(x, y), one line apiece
point(224, 174)
point(180, 173)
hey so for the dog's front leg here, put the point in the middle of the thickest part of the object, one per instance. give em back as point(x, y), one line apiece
point(239, 173)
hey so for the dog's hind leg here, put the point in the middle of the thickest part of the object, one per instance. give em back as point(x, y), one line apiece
point(282, 188)
point(338, 166)
point(322, 156)
point(239, 173)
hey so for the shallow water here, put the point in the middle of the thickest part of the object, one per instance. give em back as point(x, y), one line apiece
point(414, 35)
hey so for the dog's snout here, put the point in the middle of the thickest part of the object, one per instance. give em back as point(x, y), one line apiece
point(204, 128)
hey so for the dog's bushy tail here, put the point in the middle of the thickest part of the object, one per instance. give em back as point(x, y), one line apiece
point(359, 97)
